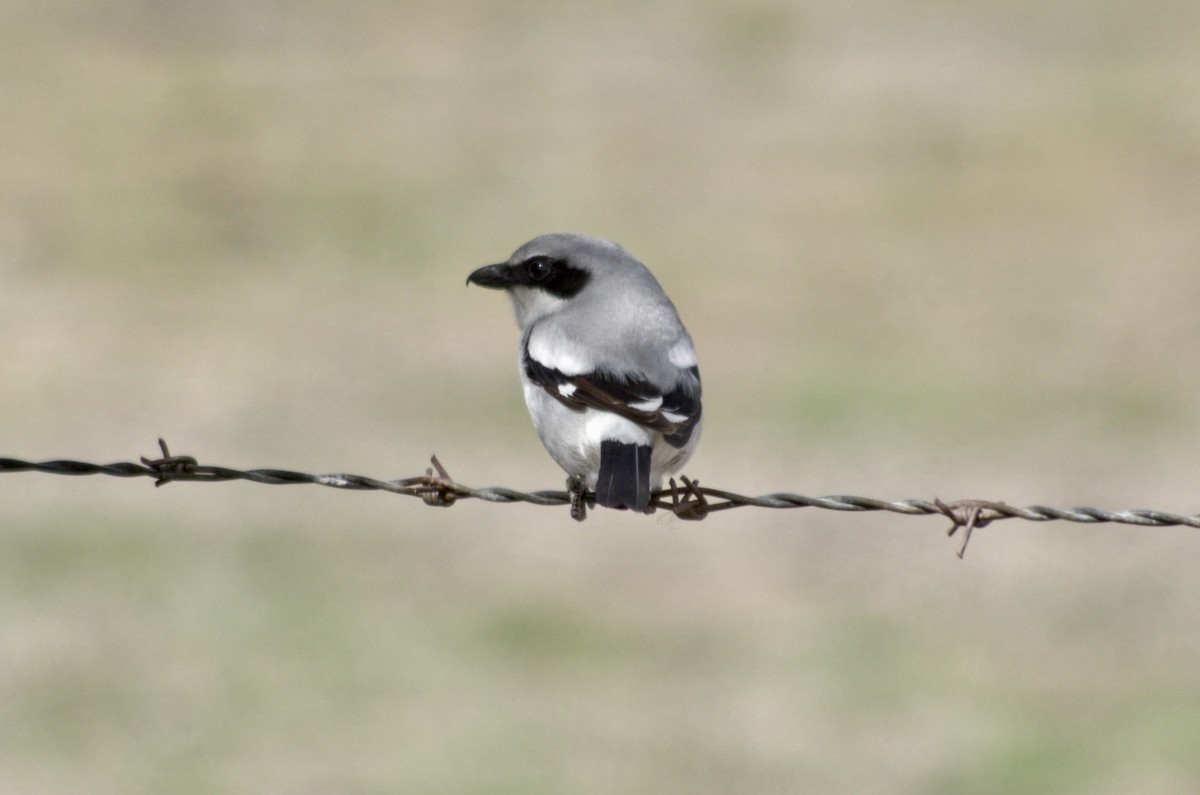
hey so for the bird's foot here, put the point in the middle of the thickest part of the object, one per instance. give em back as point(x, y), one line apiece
point(577, 491)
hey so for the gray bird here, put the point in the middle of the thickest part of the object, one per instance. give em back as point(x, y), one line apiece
point(609, 371)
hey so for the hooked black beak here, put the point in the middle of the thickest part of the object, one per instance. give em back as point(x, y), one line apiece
point(498, 277)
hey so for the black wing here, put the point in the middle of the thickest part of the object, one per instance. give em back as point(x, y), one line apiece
point(675, 417)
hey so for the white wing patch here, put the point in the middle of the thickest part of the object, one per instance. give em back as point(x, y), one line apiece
point(650, 404)
point(556, 353)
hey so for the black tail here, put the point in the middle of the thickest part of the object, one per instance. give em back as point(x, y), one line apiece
point(624, 480)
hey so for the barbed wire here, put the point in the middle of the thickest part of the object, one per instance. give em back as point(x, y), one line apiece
point(689, 501)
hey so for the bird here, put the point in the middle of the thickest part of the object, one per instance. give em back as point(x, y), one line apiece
point(609, 372)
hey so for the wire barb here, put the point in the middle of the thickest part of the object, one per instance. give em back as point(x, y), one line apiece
point(438, 490)
point(694, 505)
point(691, 502)
point(181, 464)
point(970, 515)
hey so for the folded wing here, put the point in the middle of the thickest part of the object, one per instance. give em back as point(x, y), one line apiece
point(673, 412)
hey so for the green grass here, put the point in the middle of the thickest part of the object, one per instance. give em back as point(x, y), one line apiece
point(197, 661)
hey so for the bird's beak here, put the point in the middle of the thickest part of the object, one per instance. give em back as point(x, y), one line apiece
point(498, 277)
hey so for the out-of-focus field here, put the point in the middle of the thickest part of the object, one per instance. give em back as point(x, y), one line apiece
point(925, 249)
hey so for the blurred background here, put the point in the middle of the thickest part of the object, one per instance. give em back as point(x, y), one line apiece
point(925, 249)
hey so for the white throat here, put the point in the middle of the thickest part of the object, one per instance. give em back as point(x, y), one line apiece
point(531, 305)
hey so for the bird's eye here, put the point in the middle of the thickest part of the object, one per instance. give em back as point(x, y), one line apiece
point(539, 268)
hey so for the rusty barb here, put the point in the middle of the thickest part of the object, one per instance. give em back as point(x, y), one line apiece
point(687, 500)
point(438, 490)
point(970, 515)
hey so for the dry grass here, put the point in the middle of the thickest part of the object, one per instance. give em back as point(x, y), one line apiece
point(936, 249)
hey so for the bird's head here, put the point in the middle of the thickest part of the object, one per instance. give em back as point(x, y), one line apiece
point(548, 271)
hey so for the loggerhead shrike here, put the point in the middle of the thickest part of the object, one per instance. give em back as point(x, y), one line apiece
point(609, 371)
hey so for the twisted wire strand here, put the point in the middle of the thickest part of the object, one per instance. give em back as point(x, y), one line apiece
point(439, 489)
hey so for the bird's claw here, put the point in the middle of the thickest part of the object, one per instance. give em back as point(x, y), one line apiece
point(578, 496)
